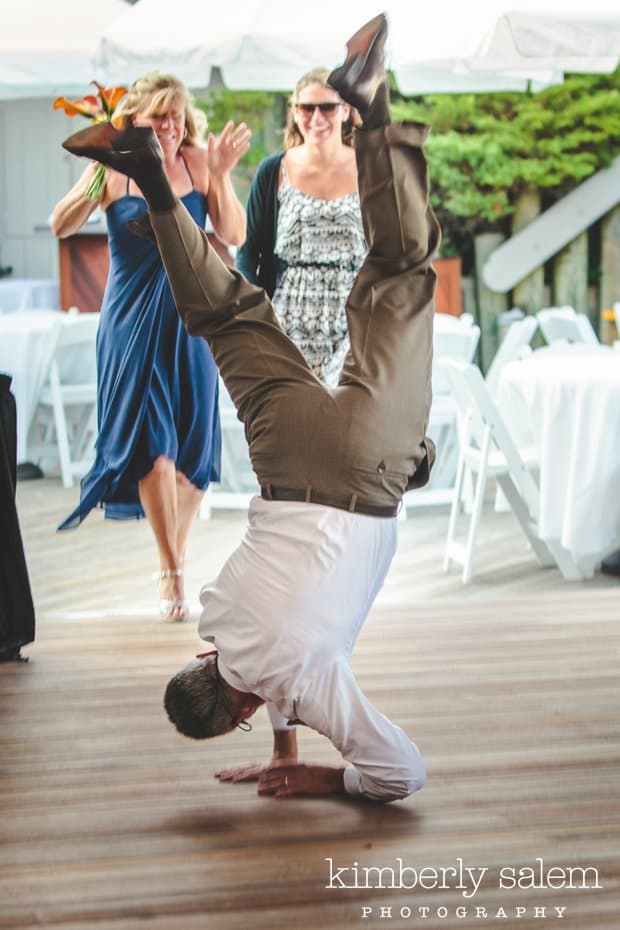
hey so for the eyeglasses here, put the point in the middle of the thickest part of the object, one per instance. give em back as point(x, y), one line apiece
point(324, 108)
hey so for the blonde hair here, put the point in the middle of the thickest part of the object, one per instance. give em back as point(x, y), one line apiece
point(292, 135)
point(157, 92)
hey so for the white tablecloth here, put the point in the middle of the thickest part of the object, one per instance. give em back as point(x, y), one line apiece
point(29, 294)
point(570, 406)
point(27, 344)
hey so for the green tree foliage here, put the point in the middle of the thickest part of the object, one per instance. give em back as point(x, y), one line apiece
point(486, 149)
point(264, 113)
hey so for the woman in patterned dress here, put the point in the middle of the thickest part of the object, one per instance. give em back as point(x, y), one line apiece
point(305, 240)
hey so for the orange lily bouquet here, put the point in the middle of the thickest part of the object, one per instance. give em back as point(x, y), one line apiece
point(99, 109)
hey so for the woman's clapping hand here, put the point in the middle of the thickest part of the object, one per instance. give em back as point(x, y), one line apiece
point(225, 150)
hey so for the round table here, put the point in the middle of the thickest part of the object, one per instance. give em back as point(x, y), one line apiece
point(568, 405)
point(29, 294)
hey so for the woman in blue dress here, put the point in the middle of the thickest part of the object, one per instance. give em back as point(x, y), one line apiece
point(159, 437)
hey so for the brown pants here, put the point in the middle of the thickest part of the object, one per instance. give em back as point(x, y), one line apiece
point(361, 444)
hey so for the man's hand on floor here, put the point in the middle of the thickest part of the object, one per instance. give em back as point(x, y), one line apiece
point(284, 753)
point(285, 781)
point(251, 771)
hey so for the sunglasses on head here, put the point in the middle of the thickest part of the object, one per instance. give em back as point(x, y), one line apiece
point(323, 107)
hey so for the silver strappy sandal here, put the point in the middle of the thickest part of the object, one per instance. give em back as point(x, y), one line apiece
point(168, 607)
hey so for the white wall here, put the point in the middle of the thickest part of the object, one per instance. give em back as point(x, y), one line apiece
point(34, 174)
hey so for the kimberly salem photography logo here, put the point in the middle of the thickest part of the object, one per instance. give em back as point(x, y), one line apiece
point(469, 883)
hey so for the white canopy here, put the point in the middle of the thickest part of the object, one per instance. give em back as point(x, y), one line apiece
point(583, 42)
point(446, 45)
point(47, 48)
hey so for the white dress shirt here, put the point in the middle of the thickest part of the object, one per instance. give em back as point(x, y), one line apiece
point(284, 615)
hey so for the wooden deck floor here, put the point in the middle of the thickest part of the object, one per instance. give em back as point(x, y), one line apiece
point(509, 685)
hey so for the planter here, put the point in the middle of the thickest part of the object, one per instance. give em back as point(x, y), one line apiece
point(84, 260)
point(84, 263)
point(448, 297)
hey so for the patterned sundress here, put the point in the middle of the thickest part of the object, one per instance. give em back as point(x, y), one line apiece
point(320, 246)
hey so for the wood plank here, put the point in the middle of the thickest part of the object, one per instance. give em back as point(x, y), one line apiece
point(529, 293)
point(570, 276)
point(610, 260)
point(490, 303)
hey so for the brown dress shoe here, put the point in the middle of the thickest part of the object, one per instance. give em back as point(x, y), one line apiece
point(362, 75)
point(134, 152)
point(124, 150)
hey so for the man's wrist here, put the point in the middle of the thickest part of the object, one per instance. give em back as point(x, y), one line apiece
point(337, 780)
point(285, 745)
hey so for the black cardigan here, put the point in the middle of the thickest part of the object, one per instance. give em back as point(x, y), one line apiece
point(256, 259)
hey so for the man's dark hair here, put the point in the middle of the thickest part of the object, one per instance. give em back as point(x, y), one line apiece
point(196, 700)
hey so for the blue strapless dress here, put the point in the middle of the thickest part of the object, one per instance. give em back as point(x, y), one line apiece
point(158, 386)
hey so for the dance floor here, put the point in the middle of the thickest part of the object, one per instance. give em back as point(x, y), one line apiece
point(509, 685)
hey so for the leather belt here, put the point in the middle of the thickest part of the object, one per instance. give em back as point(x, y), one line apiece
point(353, 504)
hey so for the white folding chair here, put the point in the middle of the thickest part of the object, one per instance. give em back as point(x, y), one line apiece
point(562, 323)
point(70, 393)
point(460, 345)
point(518, 337)
point(488, 450)
point(238, 482)
point(455, 338)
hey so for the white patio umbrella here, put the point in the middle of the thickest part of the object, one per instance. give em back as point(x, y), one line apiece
point(47, 49)
point(268, 44)
point(570, 40)
point(13, 80)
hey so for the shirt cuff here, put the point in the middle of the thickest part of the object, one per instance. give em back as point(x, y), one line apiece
point(278, 722)
point(352, 780)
